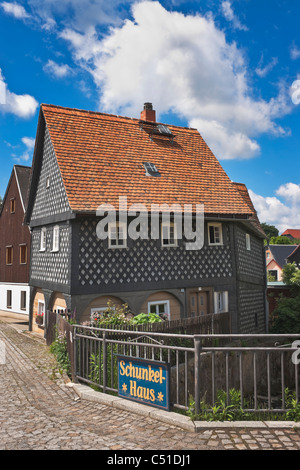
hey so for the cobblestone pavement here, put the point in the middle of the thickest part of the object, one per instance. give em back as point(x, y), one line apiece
point(39, 411)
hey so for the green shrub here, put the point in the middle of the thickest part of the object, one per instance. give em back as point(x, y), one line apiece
point(60, 351)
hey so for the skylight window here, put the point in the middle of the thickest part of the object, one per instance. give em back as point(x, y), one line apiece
point(151, 169)
point(163, 129)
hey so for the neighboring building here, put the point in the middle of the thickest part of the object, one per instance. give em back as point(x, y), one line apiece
point(84, 159)
point(293, 234)
point(15, 244)
point(276, 258)
point(294, 257)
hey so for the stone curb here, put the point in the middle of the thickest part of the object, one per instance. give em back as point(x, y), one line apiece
point(175, 419)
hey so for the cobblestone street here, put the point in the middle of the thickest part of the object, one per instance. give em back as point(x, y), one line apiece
point(39, 411)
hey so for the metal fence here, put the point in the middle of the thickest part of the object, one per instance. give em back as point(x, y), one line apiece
point(260, 367)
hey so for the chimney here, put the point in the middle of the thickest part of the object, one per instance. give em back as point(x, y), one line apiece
point(148, 113)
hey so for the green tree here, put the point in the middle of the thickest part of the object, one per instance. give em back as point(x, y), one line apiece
point(270, 230)
point(286, 315)
point(281, 240)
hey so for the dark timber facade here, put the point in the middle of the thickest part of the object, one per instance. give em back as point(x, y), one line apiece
point(71, 268)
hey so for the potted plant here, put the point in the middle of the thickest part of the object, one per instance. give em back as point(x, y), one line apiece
point(39, 319)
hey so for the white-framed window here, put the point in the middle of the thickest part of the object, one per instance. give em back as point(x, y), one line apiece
point(117, 235)
point(215, 236)
point(160, 307)
point(43, 239)
point(169, 234)
point(55, 241)
point(221, 301)
point(248, 242)
point(41, 309)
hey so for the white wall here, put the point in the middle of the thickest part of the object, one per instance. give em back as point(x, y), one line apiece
point(16, 297)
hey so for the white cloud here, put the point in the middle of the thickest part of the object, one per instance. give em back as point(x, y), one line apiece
point(23, 106)
point(295, 52)
point(58, 70)
point(282, 209)
point(262, 71)
point(80, 14)
point(29, 143)
point(181, 63)
point(231, 17)
point(15, 9)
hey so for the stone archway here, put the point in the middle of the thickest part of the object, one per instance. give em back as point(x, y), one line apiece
point(162, 302)
point(98, 304)
point(57, 302)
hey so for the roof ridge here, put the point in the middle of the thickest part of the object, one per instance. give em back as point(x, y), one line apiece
point(112, 115)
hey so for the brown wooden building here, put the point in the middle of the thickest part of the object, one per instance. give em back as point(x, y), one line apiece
point(15, 244)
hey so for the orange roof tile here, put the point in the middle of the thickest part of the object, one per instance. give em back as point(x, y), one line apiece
point(101, 157)
point(295, 233)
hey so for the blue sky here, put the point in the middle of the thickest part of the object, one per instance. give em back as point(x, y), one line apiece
point(230, 68)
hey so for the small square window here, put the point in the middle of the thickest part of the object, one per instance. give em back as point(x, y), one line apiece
point(215, 234)
point(117, 235)
point(168, 234)
point(161, 307)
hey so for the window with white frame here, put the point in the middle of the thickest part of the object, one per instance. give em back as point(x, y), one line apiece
point(168, 234)
point(215, 234)
point(221, 301)
point(160, 307)
point(41, 309)
point(55, 241)
point(117, 235)
point(248, 242)
point(43, 239)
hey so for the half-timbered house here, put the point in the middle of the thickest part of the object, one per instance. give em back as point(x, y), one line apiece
point(84, 160)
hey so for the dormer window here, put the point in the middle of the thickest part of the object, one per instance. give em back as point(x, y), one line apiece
point(151, 169)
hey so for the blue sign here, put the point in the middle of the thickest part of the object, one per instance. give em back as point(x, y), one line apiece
point(143, 381)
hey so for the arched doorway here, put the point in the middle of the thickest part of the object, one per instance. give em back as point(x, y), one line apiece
point(57, 302)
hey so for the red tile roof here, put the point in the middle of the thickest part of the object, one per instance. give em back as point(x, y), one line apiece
point(295, 233)
point(101, 157)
